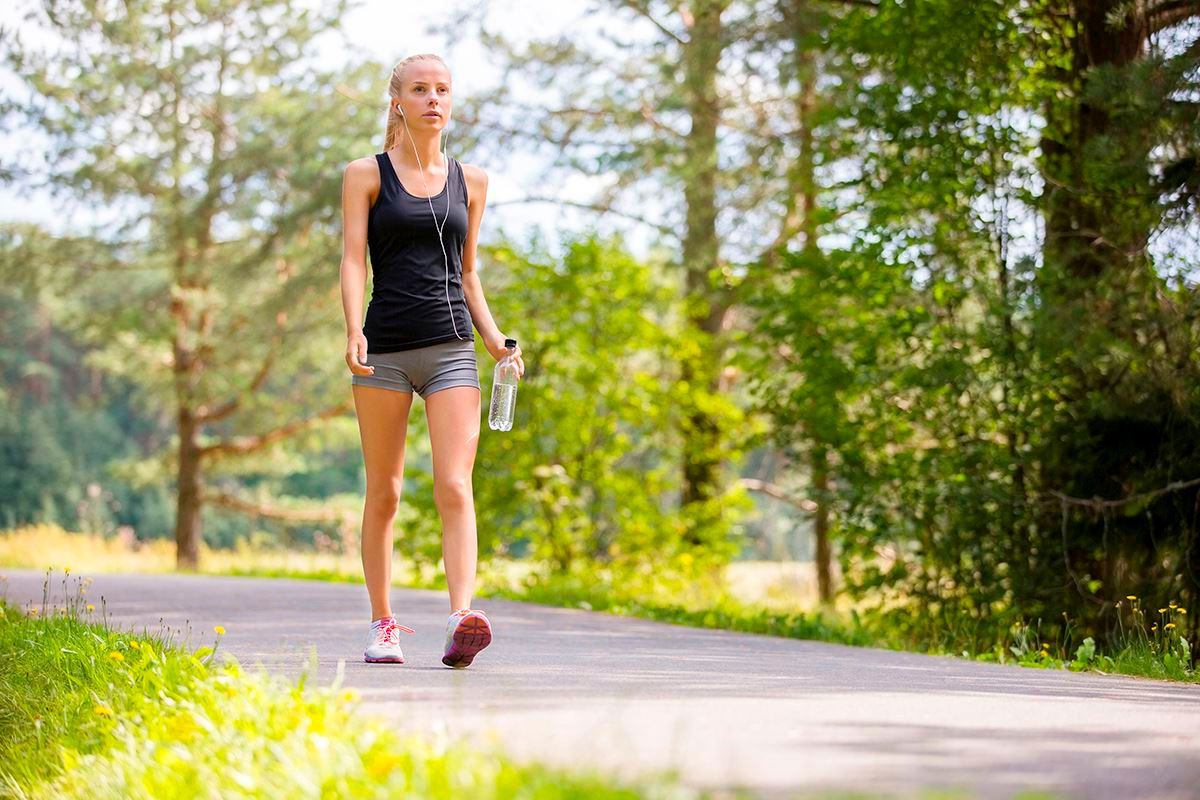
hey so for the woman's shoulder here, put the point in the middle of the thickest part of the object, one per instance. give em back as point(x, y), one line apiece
point(367, 165)
point(475, 177)
point(363, 174)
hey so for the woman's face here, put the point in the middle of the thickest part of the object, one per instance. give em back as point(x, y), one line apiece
point(425, 96)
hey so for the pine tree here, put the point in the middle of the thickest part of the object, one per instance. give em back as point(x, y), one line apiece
point(218, 147)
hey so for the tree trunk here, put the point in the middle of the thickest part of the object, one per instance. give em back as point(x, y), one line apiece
point(1095, 253)
point(706, 305)
point(806, 101)
point(187, 508)
point(820, 481)
point(1011, 393)
point(1081, 228)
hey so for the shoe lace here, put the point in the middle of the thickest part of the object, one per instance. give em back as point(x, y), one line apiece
point(389, 632)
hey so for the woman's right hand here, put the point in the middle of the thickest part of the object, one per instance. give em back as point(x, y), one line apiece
point(356, 354)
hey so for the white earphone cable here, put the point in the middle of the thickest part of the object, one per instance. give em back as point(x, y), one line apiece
point(440, 227)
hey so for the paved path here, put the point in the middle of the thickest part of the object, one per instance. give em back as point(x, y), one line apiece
point(783, 717)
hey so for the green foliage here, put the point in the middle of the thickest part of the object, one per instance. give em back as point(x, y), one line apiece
point(63, 424)
point(959, 373)
point(683, 592)
point(589, 471)
point(209, 299)
point(993, 311)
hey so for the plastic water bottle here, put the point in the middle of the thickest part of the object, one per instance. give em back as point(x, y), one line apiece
point(504, 390)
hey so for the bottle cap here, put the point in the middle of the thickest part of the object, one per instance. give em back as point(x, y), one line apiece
point(510, 342)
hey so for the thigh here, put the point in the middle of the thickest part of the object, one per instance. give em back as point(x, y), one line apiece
point(453, 416)
point(382, 427)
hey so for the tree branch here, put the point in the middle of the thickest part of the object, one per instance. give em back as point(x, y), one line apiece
point(241, 445)
point(872, 4)
point(1099, 504)
point(645, 12)
point(1170, 12)
point(234, 403)
point(649, 116)
point(590, 207)
point(771, 490)
point(236, 503)
point(647, 113)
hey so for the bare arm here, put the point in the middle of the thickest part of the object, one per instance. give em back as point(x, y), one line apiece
point(493, 339)
point(358, 182)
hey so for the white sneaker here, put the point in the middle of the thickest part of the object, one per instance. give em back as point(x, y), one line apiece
point(467, 632)
point(385, 642)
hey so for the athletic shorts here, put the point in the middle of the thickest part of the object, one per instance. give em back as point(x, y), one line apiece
point(424, 369)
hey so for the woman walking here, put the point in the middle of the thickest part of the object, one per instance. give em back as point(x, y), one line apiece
point(418, 213)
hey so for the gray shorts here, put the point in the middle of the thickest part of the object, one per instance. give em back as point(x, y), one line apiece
point(424, 369)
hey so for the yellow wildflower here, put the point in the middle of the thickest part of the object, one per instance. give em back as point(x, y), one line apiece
point(135, 646)
point(33, 612)
point(102, 711)
point(115, 656)
point(1162, 611)
point(1173, 604)
point(382, 763)
point(91, 607)
point(1131, 597)
point(1169, 625)
point(66, 570)
point(349, 695)
point(220, 630)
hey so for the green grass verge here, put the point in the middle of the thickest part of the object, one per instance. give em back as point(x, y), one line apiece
point(88, 711)
point(1150, 645)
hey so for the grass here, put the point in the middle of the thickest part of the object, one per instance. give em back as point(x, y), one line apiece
point(89, 711)
point(745, 597)
point(1149, 646)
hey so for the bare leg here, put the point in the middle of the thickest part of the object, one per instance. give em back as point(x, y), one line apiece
point(382, 427)
point(453, 416)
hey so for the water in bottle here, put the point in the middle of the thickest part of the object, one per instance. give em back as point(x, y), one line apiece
point(504, 390)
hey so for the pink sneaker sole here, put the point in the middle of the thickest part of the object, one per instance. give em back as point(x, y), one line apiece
point(472, 634)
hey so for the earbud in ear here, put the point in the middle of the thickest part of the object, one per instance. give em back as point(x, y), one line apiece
point(400, 111)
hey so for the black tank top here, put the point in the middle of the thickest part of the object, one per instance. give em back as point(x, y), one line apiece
point(413, 301)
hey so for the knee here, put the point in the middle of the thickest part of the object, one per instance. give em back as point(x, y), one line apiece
point(383, 496)
point(452, 493)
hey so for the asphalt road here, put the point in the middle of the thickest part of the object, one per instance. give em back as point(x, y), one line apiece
point(785, 718)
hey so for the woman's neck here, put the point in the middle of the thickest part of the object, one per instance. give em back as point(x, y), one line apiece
point(426, 147)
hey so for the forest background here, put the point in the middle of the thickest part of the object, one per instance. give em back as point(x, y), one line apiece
point(907, 290)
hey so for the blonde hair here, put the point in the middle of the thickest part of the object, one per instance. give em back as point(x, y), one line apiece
point(395, 122)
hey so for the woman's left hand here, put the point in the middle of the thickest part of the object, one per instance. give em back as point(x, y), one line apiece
point(499, 351)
